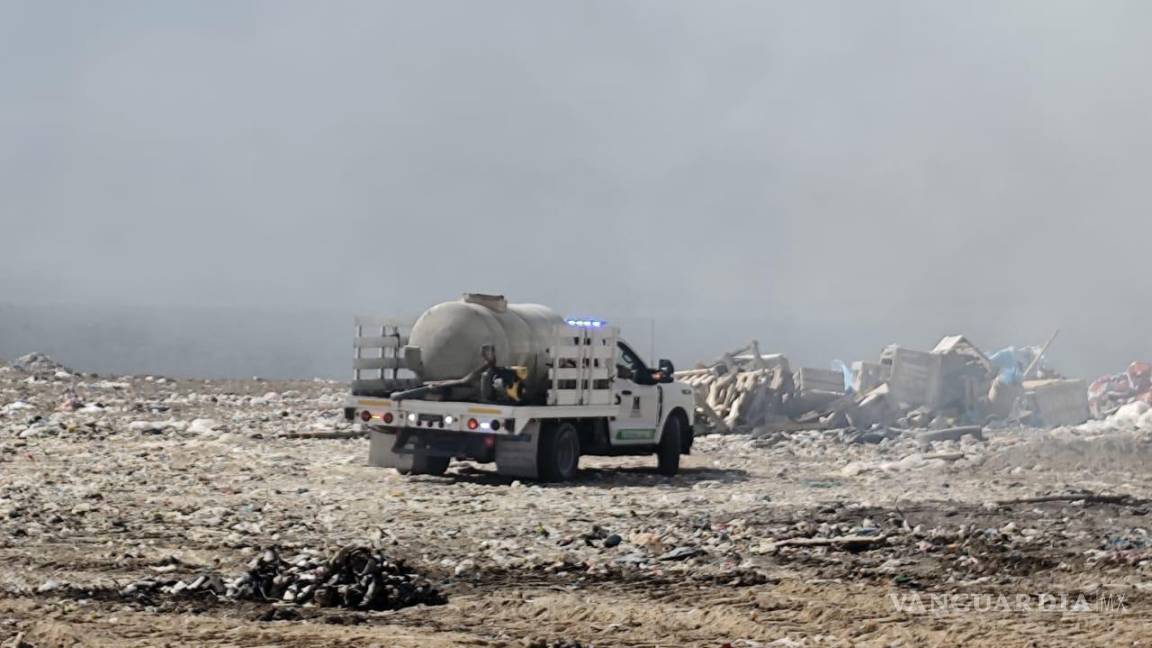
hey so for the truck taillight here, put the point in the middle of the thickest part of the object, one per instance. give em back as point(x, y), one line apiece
point(388, 418)
point(495, 425)
point(473, 424)
point(365, 416)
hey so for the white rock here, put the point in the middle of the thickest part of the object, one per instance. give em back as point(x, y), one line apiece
point(203, 426)
point(854, 468)
point(162, 426)
point(464, 566)
point(15, 406)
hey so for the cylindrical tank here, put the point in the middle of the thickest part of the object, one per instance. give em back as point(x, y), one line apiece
point(450, 335)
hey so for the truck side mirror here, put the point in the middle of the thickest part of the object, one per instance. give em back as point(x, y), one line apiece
point(664, 373)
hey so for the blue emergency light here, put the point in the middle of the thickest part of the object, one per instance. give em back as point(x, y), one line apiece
point(586, 323)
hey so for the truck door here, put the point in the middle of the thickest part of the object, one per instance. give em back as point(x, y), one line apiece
point(639, 414)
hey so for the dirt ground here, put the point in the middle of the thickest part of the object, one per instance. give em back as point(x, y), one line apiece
point(143, 479)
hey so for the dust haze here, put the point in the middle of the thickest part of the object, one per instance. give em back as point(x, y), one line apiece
point(216, 188)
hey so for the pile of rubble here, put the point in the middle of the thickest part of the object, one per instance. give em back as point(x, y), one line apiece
point(954, 384)
point(1107, 394)
point(355, 577)
point(41, 365)
point(745, 389)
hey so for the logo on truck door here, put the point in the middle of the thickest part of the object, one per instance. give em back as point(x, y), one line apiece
point(635, 407)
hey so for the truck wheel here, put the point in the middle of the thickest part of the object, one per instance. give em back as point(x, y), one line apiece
point(380, 453)
point(687, 436)
point(426, 465)
point(559, 453)
point(668, 452)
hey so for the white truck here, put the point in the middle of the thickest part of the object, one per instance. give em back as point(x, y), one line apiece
point(515, 384)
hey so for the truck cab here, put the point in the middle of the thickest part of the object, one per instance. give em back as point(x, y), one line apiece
point(640, 394)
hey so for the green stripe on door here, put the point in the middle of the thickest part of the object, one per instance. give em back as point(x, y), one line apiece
point(636, 433)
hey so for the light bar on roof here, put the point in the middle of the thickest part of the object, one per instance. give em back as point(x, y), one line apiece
point(586, 323)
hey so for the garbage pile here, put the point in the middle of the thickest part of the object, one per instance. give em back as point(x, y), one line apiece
point(954, 384)
point(355, 577)
point(39, 364)
point(1107, 394)
point(745, 388)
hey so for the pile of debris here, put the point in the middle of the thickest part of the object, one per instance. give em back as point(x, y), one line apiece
point(1107, 394)
point(40, 364)
point(954, 384)
point(745, 389)
point(355, 577)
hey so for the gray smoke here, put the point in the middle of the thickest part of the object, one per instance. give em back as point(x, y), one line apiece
point(216, 188)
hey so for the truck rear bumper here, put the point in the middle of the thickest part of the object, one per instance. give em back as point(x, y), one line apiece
point(432, 443)
point(514, 454)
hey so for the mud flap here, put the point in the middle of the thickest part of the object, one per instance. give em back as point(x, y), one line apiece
point(516, 456)
point(380, 452)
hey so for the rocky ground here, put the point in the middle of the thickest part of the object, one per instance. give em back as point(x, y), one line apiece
point(132, 507)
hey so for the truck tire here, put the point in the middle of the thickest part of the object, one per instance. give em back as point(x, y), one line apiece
point(426, 465)
point(381, 454)
point(668, 451)
point(558, 455)
point(687, 435)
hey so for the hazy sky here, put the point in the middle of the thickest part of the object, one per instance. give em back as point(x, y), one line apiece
point(824, 176)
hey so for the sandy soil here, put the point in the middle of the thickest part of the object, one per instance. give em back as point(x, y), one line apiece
point(174, 479)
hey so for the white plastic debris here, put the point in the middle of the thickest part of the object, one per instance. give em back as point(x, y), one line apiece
point(204, 426)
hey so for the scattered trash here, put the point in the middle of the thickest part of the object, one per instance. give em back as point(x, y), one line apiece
point(354, 577)
point(682, 553)
point(147, 514)
point(1108, 393)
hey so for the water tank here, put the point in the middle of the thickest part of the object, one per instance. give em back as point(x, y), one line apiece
point(450, 335)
